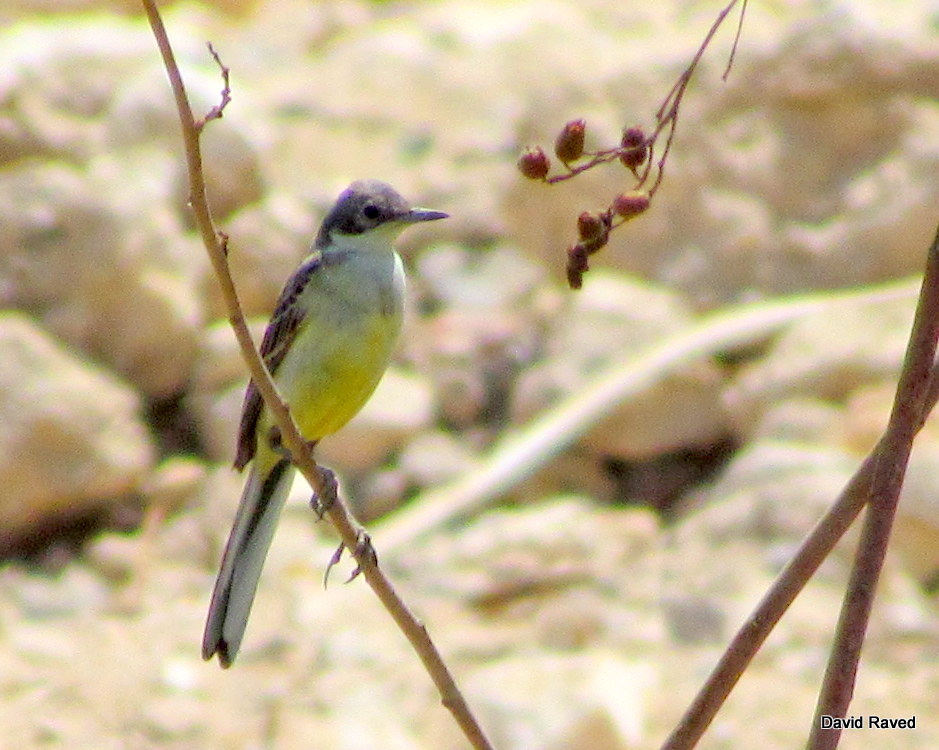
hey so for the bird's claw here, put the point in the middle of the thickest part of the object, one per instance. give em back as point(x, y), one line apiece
point(364, 551)
point(323, 500)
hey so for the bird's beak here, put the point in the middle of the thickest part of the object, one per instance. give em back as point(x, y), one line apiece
point(422, 214)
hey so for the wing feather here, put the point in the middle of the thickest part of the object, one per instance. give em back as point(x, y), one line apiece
point(278, 336)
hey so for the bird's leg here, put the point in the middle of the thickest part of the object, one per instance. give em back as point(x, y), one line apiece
point(334, 560)
point(320, 501)
point(273, 440)
point(323, 500)
point(363, 550)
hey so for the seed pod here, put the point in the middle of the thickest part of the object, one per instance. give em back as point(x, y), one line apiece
point(589, 226)
point(634, 140)
point(534, 163)
point(631, 204)
point(569, 145)
point(576, 265)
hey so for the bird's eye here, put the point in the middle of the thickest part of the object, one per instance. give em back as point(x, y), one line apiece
point(371, 211)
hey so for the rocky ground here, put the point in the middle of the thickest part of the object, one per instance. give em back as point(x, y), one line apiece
point(580, 559)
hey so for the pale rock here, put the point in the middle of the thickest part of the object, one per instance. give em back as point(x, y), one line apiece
point(58, 83)
point(114, 557)
point(72, 440)
point(379, 492)
point(230, 157)
point(217, 416)
point(611, 317)
point(102, 268)
point(592, 700)
point(825, 355)
point(804, 419)
point(217, 387)
point(774, 490)
point(484, 328)
point(916, 531)
point(75, 592)
point(866, 412)
point(545, 570)
point(472, 357)
point(433, 458)
point(694, 619)
point(232, 174)
point(267, 241)
point(174, 483)
point(576, 467)
point(916, 528)
point(458, 277)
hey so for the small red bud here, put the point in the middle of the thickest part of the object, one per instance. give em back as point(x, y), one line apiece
point(534, 163)
point(569, 145)
point(634, 140)
point(631, 204)
point(577, 264)
point(589, 226)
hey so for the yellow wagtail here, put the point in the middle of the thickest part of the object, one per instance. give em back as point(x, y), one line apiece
point(327, 346)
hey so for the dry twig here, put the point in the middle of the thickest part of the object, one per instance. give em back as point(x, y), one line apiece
point(352, 535)
point(636, 152)
point(751, 635)
point(910, 409)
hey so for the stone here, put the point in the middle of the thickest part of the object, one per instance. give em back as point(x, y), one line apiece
point(826, 355)
point(592, 700)
point(613, 316)
point(123, 289)
point(72, 438)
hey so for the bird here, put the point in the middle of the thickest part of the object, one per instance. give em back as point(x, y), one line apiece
point(328, 343)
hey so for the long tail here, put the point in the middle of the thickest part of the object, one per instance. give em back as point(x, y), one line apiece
point(250, 538)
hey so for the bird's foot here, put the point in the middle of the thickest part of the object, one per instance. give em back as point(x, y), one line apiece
point(364, 551)
point(323, 500)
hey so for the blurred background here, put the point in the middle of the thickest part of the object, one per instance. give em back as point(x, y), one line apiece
point(582, 601)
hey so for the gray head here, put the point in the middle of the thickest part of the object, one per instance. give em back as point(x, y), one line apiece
point(366, 205)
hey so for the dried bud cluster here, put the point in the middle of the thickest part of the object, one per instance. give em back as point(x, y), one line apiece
point(534, 163)
point(577, 265)
point(593, 229)
point(589, 226)
point(631, 204)
point(635, 141)
point(594, 232)
point(569, 145)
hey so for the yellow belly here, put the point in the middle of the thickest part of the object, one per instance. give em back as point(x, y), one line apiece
point(352, 314)
point(326, 380)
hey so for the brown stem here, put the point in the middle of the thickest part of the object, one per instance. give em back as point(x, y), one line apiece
point(909, 410)
point(813, 551)
point(349, 530)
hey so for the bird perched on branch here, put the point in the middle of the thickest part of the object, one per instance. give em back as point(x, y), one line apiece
point(326, 346)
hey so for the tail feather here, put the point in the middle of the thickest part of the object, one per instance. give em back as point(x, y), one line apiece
point(250, 538)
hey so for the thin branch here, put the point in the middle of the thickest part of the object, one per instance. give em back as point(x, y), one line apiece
point(636, 151)
point(751, 635)
point(733, 49)
point(667, 116)
point(216, 112)
point(909, 410)
point(352, 535)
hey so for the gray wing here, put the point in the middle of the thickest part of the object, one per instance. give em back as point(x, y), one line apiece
point(279, 335)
